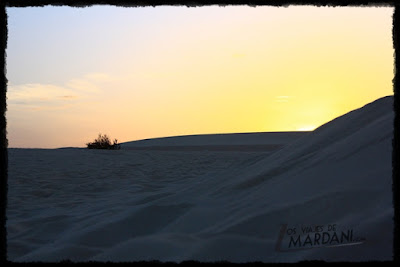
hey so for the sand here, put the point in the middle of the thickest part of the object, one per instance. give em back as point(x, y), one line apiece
point(224, 202)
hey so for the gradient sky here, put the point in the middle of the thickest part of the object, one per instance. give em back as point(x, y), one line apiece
point(136, 73)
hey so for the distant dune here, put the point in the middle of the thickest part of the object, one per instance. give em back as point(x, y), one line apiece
point(323, 195)
point(267, 141)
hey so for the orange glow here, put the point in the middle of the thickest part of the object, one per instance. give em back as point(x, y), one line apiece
point(205, 70)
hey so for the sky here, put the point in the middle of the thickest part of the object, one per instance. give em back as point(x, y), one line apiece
point(146, 72)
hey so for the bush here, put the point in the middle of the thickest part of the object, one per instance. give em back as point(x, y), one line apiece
point(103, 142)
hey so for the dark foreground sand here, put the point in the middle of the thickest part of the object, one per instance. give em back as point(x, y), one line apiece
point(325, 195)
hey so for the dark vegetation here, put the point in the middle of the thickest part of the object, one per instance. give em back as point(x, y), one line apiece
point(103, 142)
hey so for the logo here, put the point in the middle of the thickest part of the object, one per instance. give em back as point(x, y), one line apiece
point(315, 236)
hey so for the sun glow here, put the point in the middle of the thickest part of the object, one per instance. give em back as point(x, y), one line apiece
point(170, 71)
point(306, 128)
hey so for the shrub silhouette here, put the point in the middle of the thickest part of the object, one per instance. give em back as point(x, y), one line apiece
point(103, 142)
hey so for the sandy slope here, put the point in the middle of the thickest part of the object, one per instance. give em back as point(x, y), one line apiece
point(245, 142)
point(269, 138)
point(205, 205)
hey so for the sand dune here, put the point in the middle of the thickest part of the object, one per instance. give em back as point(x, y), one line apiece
point(190, 204)
point(263, 142)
